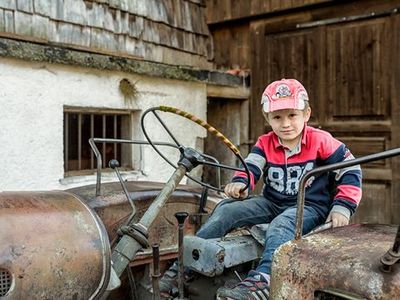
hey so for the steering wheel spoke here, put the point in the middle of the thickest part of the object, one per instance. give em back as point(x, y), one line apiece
point(219, 165)
point(190, 158)
point(166, 129)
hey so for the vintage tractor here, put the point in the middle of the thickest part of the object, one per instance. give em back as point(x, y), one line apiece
point(112, 241)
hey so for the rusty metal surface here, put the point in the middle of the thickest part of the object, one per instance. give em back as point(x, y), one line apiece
point(345, 259)
point(53, 245)
point(113, 209)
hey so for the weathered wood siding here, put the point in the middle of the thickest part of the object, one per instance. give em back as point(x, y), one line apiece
point(232, 47)
point(168, 31)
point(231, 42)
point(219, 11)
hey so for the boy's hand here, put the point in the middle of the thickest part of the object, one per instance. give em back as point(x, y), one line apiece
point(337, 219)
point(233, 190)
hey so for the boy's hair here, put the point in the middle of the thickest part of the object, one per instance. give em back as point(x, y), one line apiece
point(284, 94)
point(306, 106)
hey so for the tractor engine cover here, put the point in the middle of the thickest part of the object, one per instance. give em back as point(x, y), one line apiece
point(52, 246)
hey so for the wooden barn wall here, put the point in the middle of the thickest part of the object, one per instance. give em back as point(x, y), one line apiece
point(231, 42)
point(232, 47)
point(351, 69)
point(168, 31)
point(219, 11)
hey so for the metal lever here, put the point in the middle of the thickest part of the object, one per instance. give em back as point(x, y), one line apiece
point(114, 164)
point(156, 272)
point(181, 217)
point(203, 199)
point(197, 218)
point(392, 256)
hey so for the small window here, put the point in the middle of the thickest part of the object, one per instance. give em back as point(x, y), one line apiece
point(80, 126)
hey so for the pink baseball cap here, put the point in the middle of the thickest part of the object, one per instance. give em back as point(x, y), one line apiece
point(284, 94)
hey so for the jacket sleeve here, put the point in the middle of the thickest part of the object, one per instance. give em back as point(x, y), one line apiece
point(348, 180)
point(255, 161)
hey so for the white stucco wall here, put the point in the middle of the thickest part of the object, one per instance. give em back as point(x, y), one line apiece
point(32, 100)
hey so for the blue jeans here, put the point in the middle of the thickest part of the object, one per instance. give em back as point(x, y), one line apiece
point(232, 214)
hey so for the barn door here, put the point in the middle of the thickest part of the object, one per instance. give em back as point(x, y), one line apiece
point(351, 71)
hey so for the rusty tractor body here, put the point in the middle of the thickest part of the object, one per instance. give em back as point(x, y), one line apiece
point(343, 262)
point(52, 246)
point(57, 244)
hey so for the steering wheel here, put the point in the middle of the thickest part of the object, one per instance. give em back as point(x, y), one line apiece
point(203, 158)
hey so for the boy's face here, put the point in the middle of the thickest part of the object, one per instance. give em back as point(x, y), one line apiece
point(288, 124)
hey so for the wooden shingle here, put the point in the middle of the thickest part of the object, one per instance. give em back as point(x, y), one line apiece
point(143, 28)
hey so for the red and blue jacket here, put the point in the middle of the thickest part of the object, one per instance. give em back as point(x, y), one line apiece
point(282, 172)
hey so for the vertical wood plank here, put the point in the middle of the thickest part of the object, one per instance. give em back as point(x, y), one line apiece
point(244, 128)
point(259, 55)
point(66, 139)
point(357, 53)
point(395, 115)
point(92, 136)
point(374, 200)
point(232, 47)
point(320, 103)
point(80, 141)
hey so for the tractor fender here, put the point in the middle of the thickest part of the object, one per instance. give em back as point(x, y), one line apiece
point(53, 246)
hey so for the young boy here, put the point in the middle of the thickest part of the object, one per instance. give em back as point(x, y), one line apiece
point(282, 157)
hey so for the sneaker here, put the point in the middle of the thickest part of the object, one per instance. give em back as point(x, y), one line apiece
point(252, 288)
point(169, 282)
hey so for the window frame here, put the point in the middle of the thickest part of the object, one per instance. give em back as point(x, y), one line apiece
point(125, 132)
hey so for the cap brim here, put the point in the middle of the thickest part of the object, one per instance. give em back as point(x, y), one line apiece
point(280, 104)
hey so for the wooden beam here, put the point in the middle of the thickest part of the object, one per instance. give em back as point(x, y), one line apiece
point(377, 174)
point(346, 11)
point(357, 126)
point(216, 91)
